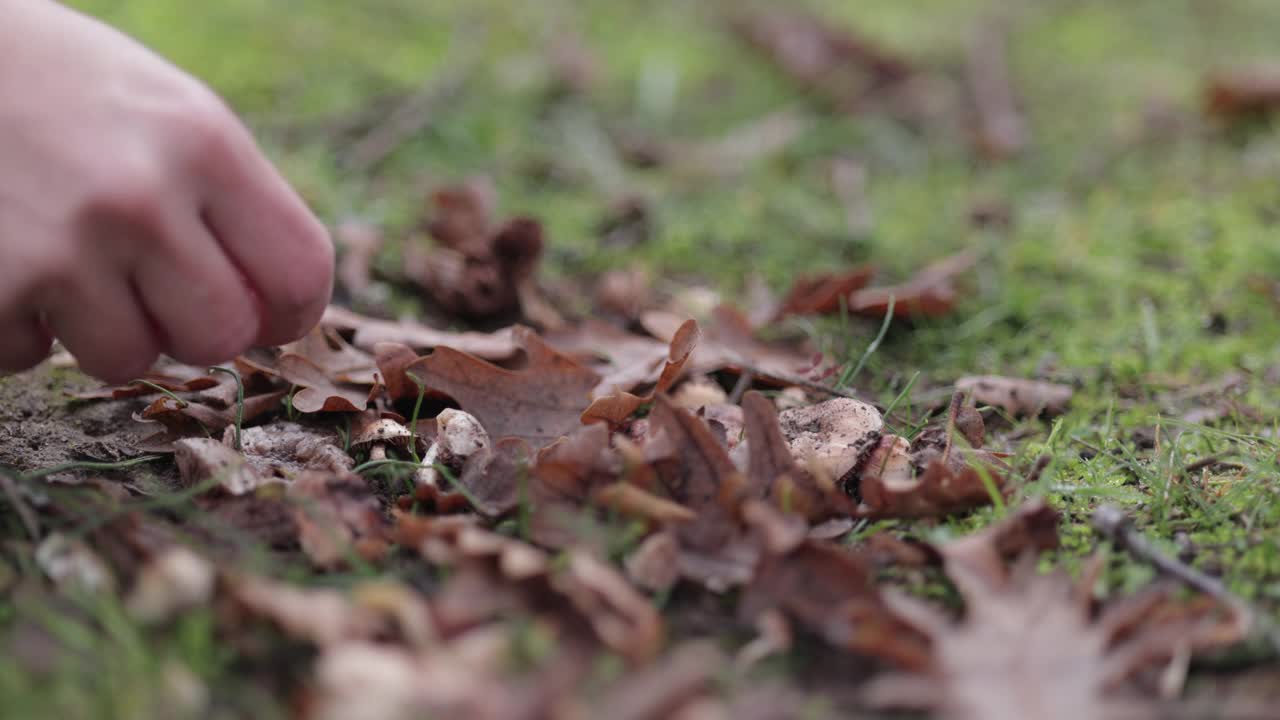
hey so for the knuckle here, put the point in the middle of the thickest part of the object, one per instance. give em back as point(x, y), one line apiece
point(206, 129)
point(222, 339)
point(131, 197)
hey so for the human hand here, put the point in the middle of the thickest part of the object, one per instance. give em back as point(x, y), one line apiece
point(137, 215)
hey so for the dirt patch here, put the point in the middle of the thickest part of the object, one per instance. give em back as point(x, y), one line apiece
point(41, 427)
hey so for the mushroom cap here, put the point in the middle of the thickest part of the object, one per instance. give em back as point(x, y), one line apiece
point(460, 433)
point(370, 428)
point(838, 433)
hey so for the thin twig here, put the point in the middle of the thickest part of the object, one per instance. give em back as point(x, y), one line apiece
point(1113, 523)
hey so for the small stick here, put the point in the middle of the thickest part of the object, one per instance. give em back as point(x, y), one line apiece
point(1113, 523)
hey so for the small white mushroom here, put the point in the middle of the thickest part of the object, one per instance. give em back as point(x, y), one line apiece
point(459, 435)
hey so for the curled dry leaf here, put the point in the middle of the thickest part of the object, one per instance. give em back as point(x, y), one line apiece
point(192, 419)
point(695, 470)
point(615, 409)
point(172, 376)
point(728, 342)
point(930, 293)
point(892, 485)
point(369, 332)
point(1016, 396)
point(478, 271)
point(538, 403)
point(625, 361)
point(936, 476)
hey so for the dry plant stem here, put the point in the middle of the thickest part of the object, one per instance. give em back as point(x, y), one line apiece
point(1113, 523)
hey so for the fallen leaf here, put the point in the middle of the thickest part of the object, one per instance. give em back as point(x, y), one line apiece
point(369, 332)
point(833, 63)
point(538, 403)
point(496, 476)
point(1017, 396)
point(172, 376)
point(478, 271)
point(728, 342)
point(615, 409)
point(824, 294)
point(1243, 92)
point(318, 392)
point(338, 518)
point(930, 293)
point(829, 589)
point(1032, 646)
point(659, 691)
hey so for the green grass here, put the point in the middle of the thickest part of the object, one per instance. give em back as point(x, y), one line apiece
point(1122, 256)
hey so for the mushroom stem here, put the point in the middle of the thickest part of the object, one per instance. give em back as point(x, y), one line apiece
point(427, 474)
point(378, 451)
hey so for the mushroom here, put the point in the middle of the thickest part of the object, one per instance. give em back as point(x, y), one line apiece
point(374, 433)
point(837, 433)
point(458, 436)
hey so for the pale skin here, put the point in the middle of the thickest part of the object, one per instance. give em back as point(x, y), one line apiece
point(137, 214)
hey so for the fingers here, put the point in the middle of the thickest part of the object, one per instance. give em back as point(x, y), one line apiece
point(25, 342)
point(98, 317)
point(271, 236)
point(195, 296)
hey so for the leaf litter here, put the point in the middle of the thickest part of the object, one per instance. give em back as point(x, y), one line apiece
point(539, 503)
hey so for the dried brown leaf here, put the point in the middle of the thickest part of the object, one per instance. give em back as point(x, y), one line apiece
point(338, 517)
point(369, 332)
point(823, 294)
point(615, 409)
point(930, 293)
point(538, 403)
point(1017, 396)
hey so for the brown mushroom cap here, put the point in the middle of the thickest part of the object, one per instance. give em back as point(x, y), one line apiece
point(370, 429)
